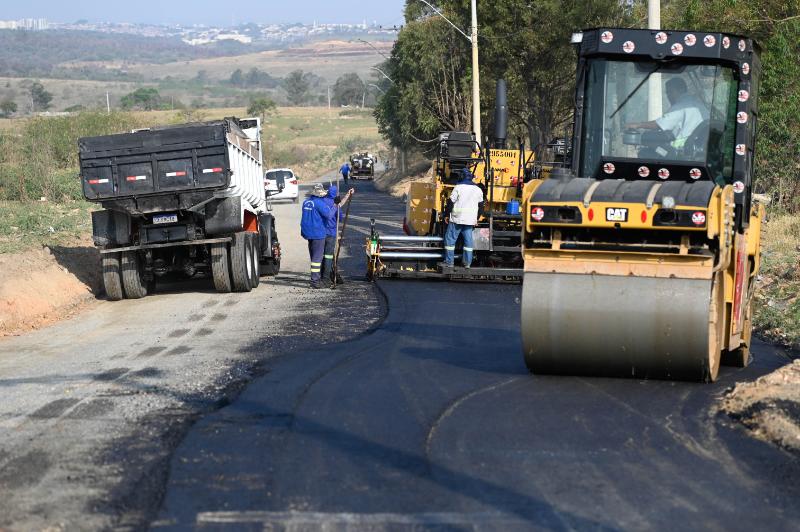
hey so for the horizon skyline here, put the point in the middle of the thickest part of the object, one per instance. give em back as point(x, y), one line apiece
point(207, 13)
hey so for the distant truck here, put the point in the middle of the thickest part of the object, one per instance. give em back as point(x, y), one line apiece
point(363, 165)
point(187, 199)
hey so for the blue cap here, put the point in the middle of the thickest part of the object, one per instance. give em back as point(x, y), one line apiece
point(466, 174)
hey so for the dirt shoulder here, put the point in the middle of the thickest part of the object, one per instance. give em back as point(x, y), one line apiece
point(397, 183)
point(769, 406)
point(41, 286)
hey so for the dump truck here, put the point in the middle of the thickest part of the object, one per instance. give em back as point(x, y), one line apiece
point(500, 172)
point(641, 255)
point(186, 199)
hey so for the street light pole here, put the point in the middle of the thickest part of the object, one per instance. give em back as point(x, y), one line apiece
point(654, 103)
point(382, 73)
point(476, 94)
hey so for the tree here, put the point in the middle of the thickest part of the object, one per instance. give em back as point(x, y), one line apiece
point(261, 107)
point(776, 26)
point(536, 59)
point(201, 77)
point(237, 78)
point(40, 97)
point(145, 99)
point(349, 90)
point(7, 108)
point(297, 85)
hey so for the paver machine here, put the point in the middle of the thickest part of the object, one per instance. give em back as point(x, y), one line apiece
point(500, 172)
point(640, 258)
point(362, 165)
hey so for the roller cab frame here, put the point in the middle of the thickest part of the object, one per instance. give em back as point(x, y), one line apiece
point(640, 257)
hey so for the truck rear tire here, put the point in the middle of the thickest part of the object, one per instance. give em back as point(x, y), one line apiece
point(132, 278)
point(111, 276)
point(271, 267)
point(255, 253)
point(221, 267)
point(241, 254)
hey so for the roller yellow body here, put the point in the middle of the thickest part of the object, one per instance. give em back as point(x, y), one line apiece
point(640, 259)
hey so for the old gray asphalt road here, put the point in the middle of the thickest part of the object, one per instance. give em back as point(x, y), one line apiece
point(93, 407)
point(432, 422)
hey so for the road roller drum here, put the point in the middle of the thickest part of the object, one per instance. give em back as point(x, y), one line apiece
point(615, 326)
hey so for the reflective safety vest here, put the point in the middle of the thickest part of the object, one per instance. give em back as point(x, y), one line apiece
point(465, 197)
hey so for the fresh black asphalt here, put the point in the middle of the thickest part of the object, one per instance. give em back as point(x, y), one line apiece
point(431, 421)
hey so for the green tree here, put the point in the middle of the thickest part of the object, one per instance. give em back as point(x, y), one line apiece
point(7, 108)
point(261, 107)
point(527, 43)
point(297, 85)
point(40, 97)
point(201, 77)
point(349, 89)
point(536, 59)
point(776, 26)
point(145, 99)
point(237, 78)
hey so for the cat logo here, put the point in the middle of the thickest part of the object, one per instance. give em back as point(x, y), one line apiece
point(616, 214)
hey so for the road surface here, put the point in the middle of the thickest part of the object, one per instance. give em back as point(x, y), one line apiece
point(94, 406)
point(432, 421)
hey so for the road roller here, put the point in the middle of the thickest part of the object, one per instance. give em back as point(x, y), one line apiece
point(500, 172)
point(640, 256)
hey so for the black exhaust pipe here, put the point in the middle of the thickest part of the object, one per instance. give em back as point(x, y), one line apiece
point(501, 115)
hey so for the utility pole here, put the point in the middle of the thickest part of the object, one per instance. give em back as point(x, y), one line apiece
point(654, 102)
point(108, 104)
point(476, 94)
point(329, 101)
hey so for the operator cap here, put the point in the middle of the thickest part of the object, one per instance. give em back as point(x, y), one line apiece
point(319, 190)
point(466, 174)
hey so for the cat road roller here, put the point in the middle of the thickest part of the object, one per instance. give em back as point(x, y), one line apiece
point(500, 173)
point(640, 258)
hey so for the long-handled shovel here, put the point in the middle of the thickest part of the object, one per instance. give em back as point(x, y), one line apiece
point(339, 236)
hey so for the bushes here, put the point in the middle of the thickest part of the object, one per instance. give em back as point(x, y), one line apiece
point(41, 158)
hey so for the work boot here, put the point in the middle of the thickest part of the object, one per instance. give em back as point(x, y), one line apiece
point(316, 285)
point(446, 266)
point(338, 278)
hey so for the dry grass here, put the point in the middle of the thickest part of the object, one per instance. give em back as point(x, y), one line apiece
point(310, 140)
point(777, 315)
point(328, 59)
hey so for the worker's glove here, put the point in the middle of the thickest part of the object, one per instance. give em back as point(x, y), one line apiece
point(337, 200)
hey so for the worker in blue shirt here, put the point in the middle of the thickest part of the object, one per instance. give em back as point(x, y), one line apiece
point(313, 227)
point(345, 171)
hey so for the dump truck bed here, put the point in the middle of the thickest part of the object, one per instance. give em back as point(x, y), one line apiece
point(215, 157)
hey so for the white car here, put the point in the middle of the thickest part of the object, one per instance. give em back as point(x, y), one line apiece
point(276, 179)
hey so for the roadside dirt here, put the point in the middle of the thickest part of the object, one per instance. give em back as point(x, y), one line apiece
point(397, 184)
point(41, 286)
point(769, 406)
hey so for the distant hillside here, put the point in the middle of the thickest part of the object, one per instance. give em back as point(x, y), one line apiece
point(40, 54)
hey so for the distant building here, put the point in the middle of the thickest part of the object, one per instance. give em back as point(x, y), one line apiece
point(31, 24)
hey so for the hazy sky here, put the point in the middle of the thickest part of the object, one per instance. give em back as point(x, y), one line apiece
point(217, 12)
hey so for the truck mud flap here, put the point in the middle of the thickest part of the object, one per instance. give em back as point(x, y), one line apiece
point(110, 228)
point(224, 216)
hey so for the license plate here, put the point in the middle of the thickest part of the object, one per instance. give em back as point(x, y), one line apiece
point(165, 218)
point(616, 214)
